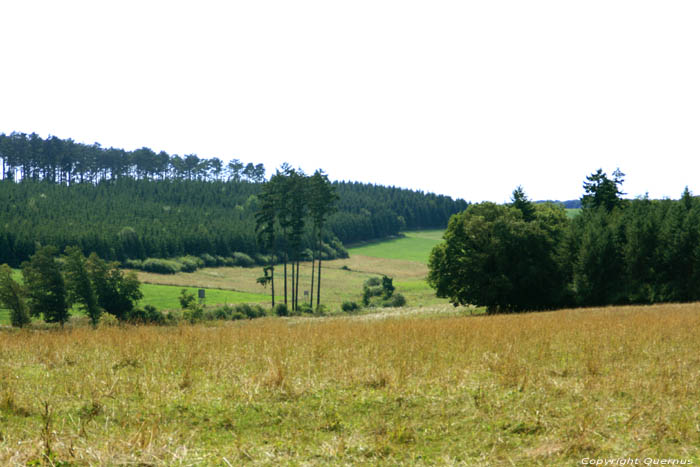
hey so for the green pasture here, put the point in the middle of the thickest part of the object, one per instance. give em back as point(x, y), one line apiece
point(404, 258)
point(412, 246)
point(165, 297)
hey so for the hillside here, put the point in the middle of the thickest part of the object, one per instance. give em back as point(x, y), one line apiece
point(128, 218)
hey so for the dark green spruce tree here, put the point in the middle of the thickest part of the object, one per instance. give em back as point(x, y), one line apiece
point(80, 288)
point(322, 204)
point(46, 289)
point(12, 297)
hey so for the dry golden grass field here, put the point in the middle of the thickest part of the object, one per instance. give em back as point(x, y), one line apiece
point(429, 386)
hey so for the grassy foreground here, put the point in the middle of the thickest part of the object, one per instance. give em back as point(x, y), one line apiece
point(421, 387)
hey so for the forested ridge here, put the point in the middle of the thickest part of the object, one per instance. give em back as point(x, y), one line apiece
point(128, 205)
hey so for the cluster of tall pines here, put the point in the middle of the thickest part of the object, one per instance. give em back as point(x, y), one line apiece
point(524, 256)
point(141, 204)
point(289, 202)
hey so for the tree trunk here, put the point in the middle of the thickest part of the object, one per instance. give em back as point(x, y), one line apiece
point(293, 282)
point(297, 286)
point(285, 279)
point(313, 270)
point(318, 282)
point(272, 282)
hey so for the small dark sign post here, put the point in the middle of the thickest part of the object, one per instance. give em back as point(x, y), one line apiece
point(201, 296)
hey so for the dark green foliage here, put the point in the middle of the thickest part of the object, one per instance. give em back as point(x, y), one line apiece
point(249, 311)
point(46, 290)
point(281, 310)
point(190, 263)
point(598, 266)
point(523, 204)
point(194, 314)
point(398, 300)
point(387, 287)
point(187, 299)
point(160, 266)
point(349, 307)
point(616, 251)
point(148, 315)
point(372, 287)
point(142, 204)
point(493, 257)
point(12, 296)
point(79, 285)
point(600, 191)
point(384, 289)
point(137, 219)
point(117, 292)
point(243, 260)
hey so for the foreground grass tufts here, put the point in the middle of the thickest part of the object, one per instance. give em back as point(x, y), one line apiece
point(418, 388)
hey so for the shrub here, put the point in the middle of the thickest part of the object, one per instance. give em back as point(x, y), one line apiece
point(162, 266)
point(398, 300)
point(339, 249)
point(194, 314)
point(236, 315)
point(173, 317)
point(259, 311)
point(190, 263)
point(133, 264)
point(186, 298)
point(262, 260)
point(321, 310)
point(243, 260)
point(349, 307)
point(224, 312)
point(148, 315)
point(209, 315)
point(209, 260)
point(305, 309)
point(107, 320)
point(227, 261)
point(281, 310)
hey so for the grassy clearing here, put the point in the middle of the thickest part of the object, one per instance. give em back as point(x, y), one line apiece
point(425, 388)
point(165, 297)
point(342, 280)
point(413, 246)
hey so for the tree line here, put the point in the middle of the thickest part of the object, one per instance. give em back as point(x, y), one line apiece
point(30, 157)
point(524, 256)
point(52, 285)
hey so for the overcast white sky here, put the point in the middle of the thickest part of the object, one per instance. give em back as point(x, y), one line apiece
point(462, 98)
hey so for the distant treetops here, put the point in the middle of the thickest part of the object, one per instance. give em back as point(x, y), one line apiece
point(525, 257)
point(29, 157)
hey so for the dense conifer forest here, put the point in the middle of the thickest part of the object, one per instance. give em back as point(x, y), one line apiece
point(142, 204)
point(524, 256)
